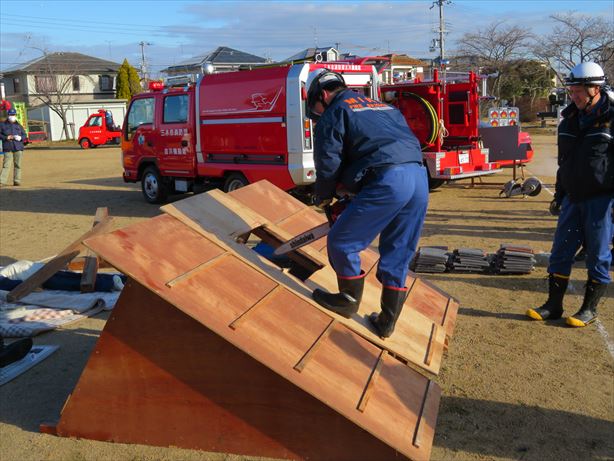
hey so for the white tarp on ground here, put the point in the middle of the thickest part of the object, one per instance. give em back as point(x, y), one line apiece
point(47, 309)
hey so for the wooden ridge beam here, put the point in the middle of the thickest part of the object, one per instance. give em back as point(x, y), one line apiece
point(91, 264)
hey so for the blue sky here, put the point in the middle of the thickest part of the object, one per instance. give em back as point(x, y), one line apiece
point(177, 30)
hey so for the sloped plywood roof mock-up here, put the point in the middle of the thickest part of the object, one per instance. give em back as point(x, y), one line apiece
point(202, 309)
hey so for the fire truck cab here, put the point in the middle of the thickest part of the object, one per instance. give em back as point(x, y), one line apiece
point(228, 129)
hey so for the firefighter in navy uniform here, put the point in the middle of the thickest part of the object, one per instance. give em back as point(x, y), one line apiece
point(366, 147)
point(584, 194)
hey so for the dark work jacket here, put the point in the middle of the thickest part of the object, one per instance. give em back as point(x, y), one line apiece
point(586, 152)
point(7, 128)
point(356, 133)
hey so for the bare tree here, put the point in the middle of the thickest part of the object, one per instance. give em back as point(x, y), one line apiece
point(55, 83)
point(494, 47)
point(576, 38)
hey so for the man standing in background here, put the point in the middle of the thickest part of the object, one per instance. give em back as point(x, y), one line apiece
point(13, 136)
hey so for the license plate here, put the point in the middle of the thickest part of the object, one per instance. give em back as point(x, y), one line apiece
point(463, 158)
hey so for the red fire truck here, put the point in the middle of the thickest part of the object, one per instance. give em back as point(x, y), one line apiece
point(446, 122)
point(229, 129)
point(99, 129)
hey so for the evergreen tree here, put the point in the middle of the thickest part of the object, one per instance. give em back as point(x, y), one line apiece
point(135, 81)
point(128, 82)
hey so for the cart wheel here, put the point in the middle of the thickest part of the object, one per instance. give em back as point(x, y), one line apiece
point(152, 185)
point(235, 181)
point(85, 143)
point(434, 183)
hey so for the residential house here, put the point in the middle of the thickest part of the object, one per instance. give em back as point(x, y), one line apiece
point(321, 54)
point(222, 59)
point(77, 83)
point(392, 68)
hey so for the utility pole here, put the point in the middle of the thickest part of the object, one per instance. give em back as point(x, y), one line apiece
point(442, 61)
point(143, 62)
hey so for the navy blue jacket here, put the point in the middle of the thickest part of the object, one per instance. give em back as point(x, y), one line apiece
point(356, 133)
point(7, 128)
point(586, 152)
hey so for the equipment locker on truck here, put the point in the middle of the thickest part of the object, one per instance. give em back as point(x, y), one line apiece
point(228, 129)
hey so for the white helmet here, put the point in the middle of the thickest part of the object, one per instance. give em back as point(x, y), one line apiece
point(586, 73)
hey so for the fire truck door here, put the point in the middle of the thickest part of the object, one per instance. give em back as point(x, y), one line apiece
point(175, 142)
point(95, 129)
point(139, 130)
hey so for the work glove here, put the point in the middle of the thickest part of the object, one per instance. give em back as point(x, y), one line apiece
point(321, 203)
point(17, 137)
point(555, 208)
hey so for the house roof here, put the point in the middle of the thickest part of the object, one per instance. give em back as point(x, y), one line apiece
point(309, 53)
point(403, 59)
point(65, 61)
point(221, 55)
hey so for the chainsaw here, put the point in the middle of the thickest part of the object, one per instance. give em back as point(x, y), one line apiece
point(332, 212)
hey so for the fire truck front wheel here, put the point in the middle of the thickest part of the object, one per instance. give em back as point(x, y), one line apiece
point(85, 143)
point(153, 185)
point(235, 181)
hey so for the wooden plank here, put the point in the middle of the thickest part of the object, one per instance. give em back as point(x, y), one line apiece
point(418, 439)
point(431, 345)
point(243, 317)
point(192, 272)
point(57, 263)
point(433, 303)
point(90, 267)
point(314, 348)
point(364, 399)
point(219, 211)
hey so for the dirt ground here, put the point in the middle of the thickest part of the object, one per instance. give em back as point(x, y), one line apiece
point(513, 389)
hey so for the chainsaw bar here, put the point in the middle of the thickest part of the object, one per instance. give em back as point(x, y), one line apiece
point(303, 239)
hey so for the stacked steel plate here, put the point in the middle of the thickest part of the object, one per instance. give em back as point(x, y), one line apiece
point(469, 260)
point(513, 259)
point(431, 260)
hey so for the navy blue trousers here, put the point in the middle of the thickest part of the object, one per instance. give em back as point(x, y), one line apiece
point(588, 222)
point(393, 204)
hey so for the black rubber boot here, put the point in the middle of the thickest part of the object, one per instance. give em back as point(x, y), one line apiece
point(392, 304)
point(347, 301)
point(15, 351)
point(552, 309)
point(588, 311)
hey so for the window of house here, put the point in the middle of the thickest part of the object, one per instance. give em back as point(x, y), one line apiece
point(175, 109)
point(16, 86)
point(76, 83)
point(106, 83)
point(141, 112)
point(45, 83)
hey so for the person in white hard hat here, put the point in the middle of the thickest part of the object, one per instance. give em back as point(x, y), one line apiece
point(584, 194)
